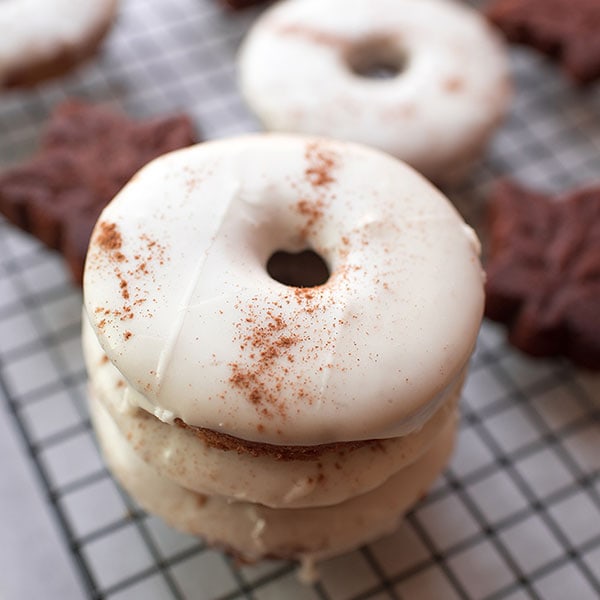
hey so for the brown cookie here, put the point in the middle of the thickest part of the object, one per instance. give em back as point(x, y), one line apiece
point(88, 152)
point(240, 4)
point(564, 29)
point(543, 271)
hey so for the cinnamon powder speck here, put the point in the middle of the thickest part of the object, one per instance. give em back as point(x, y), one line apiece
point(321, 163)
point(108, 236)
point(257, 378)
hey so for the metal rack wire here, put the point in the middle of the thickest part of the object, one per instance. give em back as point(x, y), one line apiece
point(517, 514)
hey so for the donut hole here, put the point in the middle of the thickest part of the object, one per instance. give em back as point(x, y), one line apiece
point(303, 269)
point(376, 58)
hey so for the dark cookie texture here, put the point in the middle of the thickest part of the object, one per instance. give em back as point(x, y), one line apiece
point(543, 271)
point(240, 4)
point(87, 154)
point(564, 29)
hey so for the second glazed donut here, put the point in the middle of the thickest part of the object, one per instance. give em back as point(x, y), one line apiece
point(304, 67)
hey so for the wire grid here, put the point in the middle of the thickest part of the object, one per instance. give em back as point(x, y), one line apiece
point(517, 513)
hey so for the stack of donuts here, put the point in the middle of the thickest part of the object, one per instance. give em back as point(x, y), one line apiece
point(274, 409)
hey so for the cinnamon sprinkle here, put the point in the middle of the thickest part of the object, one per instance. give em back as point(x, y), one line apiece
point(319, 37)
point(321, 162)
point(454, 84)
point(313, 211)
point(109, 237)
point(306, 297)
point(135, 269)
point(259, 379)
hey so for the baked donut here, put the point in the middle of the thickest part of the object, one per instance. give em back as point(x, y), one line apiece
point(253, 531)
point(229, 378)
point(424, 80)
point(42, 39)
point(177, 454)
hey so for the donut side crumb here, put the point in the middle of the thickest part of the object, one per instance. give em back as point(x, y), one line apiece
point(224, 441)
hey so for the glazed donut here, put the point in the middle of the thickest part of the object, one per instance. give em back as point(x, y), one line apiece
point(42, 39)
point(179, 298)
point(310, 66)
point(255, 532)
point(274, 410)
point(177, 454)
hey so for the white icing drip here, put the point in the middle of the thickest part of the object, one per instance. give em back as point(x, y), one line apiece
point(308, 573)
point(258, 529)
point(300, 489)
point(133, 399)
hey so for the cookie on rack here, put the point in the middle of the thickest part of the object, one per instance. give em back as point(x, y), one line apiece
point(41, 39)
point(241, 4)
point(564, 29)
point(543, 271)
point(88, 153)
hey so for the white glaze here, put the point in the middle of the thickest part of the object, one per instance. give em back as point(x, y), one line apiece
point(33, 30)
point(332, 477)
point(437, 114)
point(255, 531)
point(184, 307)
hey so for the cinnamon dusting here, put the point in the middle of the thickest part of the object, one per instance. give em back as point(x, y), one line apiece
point(319, 37)
point(128, 271)
point(108, 236)
point(313, 211)
point(260, 381)
point(321, 163)
point(454, 84)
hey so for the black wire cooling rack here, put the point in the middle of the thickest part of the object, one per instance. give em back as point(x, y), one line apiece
point(516, 515)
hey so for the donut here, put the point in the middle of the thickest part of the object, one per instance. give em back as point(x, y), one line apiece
point(424, 80)
point(237, 372)
point(254, 531)
point(176, 454)
point(42, 39)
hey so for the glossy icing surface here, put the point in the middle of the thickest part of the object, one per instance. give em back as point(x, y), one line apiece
point(178, 294)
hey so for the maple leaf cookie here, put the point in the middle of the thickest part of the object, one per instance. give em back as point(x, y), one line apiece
point(88, 153)
point(543, 271)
